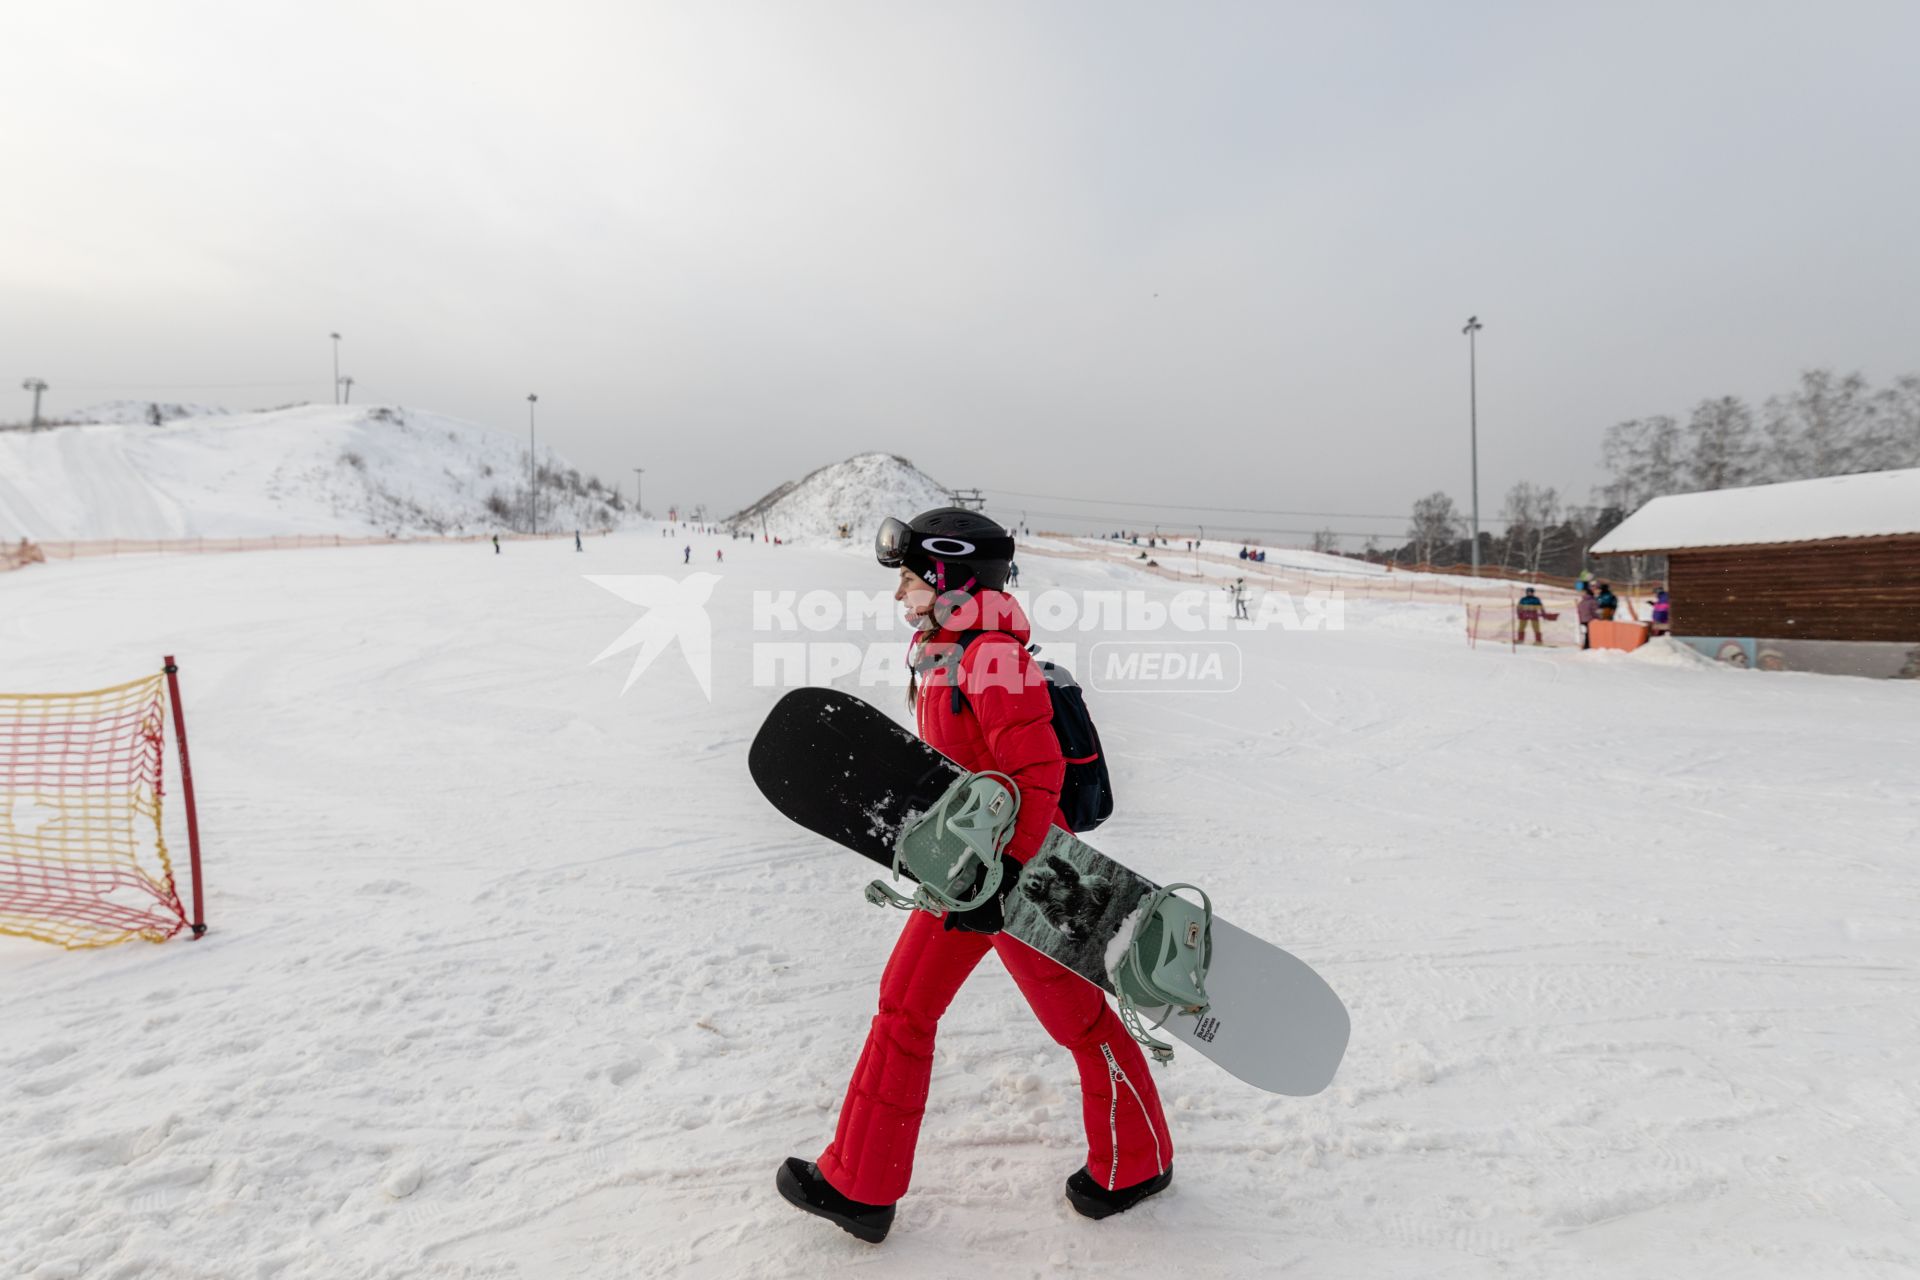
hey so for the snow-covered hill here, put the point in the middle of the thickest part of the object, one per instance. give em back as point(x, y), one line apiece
point(307, 469)
point(860, 493)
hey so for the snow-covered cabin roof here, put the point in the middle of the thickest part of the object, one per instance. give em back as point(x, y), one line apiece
point(1869, 505)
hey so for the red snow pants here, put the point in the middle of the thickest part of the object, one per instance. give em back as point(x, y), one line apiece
point(871, 1157)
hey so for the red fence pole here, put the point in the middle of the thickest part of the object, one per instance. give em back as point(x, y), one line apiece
point(186, 790)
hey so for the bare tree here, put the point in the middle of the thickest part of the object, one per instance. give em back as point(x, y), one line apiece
point(1897, 440)
point(1720, 445)
point(1532, 516)
point(1327, 542)
point(1824, 427)
point(1435, 524)
point(1642, 458)
point(1589, 523)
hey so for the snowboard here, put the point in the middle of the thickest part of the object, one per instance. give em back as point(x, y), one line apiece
point(841, 768)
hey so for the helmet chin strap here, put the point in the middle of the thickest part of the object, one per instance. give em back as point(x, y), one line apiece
point(948, 603)
point(947, 600)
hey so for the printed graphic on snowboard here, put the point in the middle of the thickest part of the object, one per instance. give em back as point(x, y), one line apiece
point(1070, 902)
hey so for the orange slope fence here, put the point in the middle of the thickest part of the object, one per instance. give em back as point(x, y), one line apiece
point(83, 852)
point(18, 555)
point(1176, 563)
point(1555, 625)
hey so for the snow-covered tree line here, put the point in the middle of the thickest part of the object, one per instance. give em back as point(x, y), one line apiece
point(1829, 424)
point(1535, 532)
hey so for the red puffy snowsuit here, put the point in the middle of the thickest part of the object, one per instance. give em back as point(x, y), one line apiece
point(1006, 725)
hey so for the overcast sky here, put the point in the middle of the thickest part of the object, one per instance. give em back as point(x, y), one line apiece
point(1214, 253)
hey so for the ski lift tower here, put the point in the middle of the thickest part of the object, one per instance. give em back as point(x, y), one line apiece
point(971, 499)
point(35, 385)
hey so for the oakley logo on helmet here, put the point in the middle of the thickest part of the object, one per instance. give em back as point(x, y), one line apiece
point(947, 546)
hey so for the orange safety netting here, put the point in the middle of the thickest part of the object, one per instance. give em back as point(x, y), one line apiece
point(1557, 624)
point(83, 862)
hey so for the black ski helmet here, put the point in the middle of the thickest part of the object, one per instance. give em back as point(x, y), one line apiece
point(950, 548)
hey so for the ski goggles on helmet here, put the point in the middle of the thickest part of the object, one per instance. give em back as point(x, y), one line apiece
point(897, 543)
point(892, 542)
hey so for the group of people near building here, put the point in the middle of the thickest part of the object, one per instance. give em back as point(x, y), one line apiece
point(1596, 602)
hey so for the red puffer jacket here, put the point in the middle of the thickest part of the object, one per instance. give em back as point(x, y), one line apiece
point(1005, 722)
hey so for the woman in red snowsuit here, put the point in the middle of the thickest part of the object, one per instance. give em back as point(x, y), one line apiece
point(1003, 722)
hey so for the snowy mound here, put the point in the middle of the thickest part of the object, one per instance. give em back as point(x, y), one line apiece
point(1665, 651)
point(346, 469)
point(860, 493)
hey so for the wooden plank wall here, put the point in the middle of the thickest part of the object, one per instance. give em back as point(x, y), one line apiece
point(1858, 589)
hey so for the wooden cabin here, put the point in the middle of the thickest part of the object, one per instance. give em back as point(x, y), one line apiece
point(1813, 575)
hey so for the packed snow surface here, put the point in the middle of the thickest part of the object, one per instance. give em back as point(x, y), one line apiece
point(859, 493)
point(1870, 504)
point(512, 976)
point(346, 469)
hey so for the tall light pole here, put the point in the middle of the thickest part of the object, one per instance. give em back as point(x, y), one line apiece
point(1473, 420)
point(35, 385)
point(639, 510)
point(336, 366)
point(533, 493)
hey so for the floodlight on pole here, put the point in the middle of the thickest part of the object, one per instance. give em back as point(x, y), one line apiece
point(336, 366)
point(1473, 427)
point(35, 385)
point(533, 493)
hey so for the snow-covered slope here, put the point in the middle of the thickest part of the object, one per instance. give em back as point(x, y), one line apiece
point(309, 469)
point(860, 492)
point(140, 412)
point(511, 976)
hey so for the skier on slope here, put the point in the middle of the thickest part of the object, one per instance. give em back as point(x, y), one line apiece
point(1527, 612)
point(953, 566)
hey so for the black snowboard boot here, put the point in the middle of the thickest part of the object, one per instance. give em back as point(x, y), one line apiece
point(800, 1182)
point(1087, 1196)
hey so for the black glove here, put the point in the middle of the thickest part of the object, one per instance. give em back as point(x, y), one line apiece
point(990, 916)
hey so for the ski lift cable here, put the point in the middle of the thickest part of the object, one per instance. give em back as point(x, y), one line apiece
point(1226, 530)
point(1195, 506)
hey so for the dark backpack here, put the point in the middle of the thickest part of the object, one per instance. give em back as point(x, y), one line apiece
point(1086, 792)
